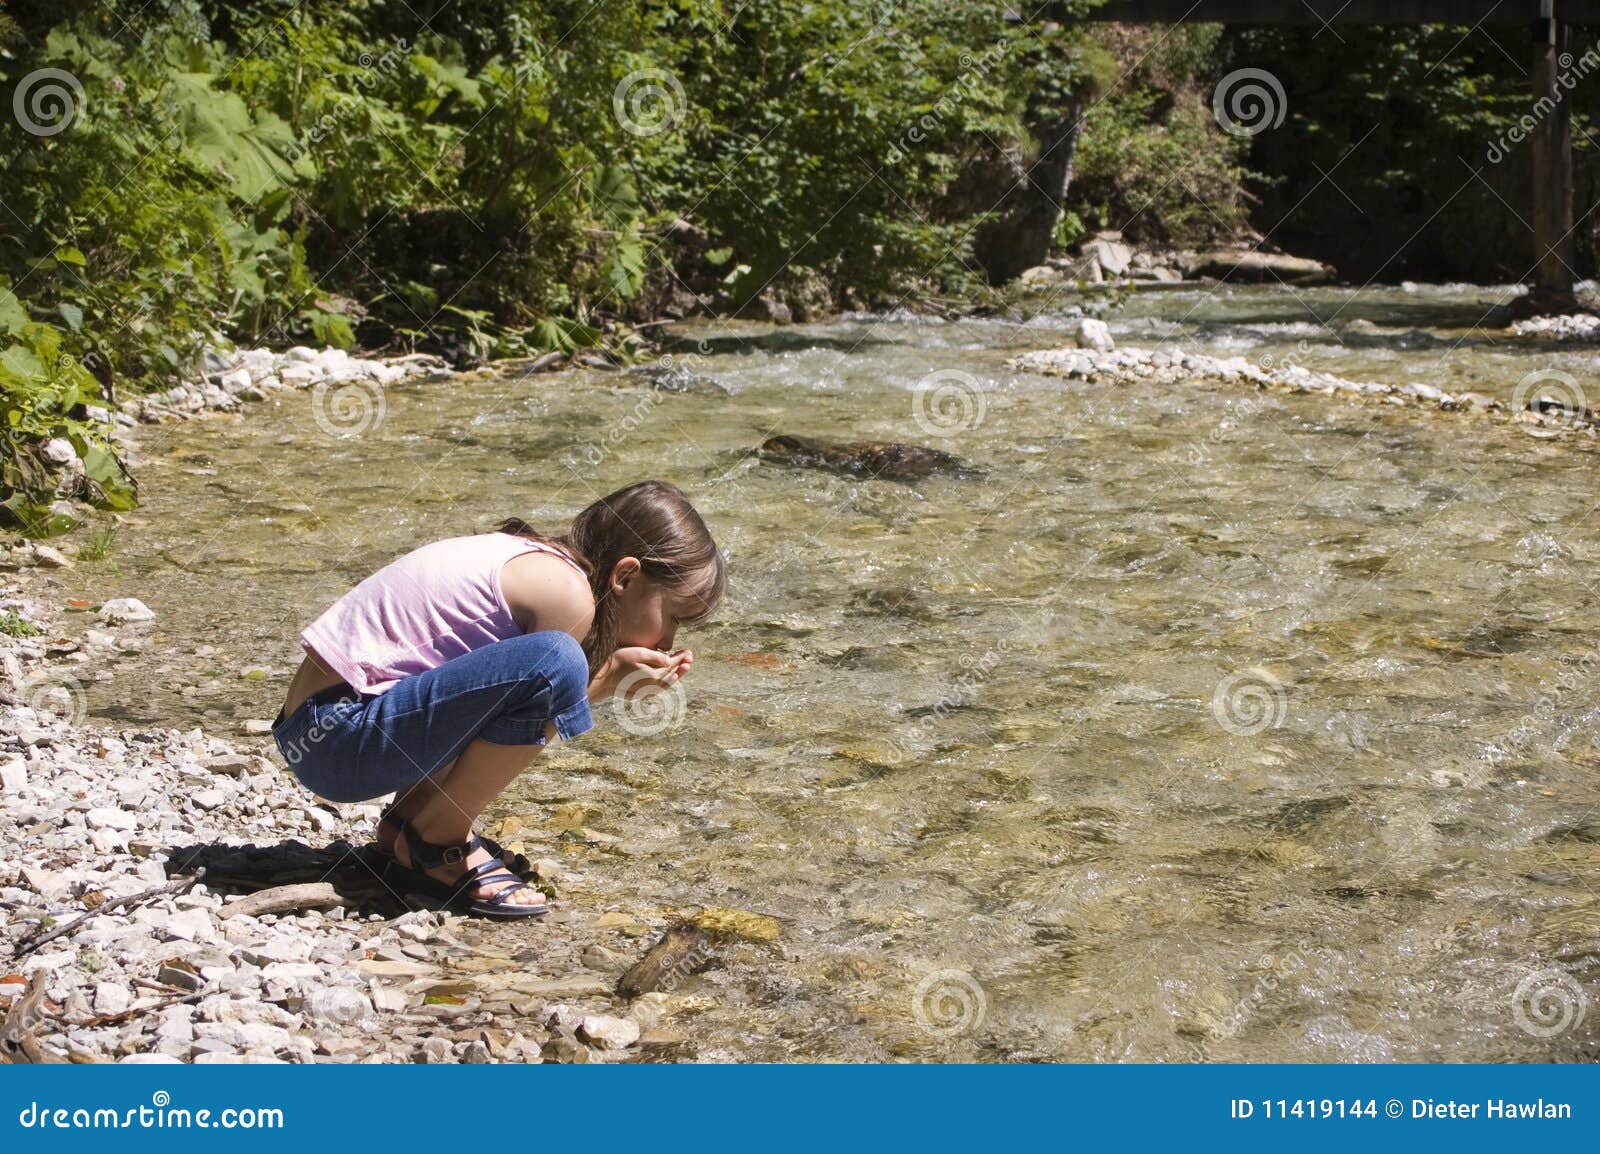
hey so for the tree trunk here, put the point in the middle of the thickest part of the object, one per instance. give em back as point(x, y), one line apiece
point(1551, 291)
point(1022, 235)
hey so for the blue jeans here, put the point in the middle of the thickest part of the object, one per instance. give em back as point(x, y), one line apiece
point(346, 746)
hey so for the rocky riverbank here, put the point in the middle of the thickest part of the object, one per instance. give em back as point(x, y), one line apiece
point(252, 374)
point(1105, 259)
point(172, 895)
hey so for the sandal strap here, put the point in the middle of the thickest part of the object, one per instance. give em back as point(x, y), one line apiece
point(498, 898)
point(431, 855)
point(488, 872)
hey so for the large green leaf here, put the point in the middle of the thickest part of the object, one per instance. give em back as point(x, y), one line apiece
point(223, 139)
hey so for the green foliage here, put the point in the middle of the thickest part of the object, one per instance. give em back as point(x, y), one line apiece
point(1152, 160)
point(829, 131)
point(461, 180)
point(42, 388)
point(14, 626)
point(98, 545)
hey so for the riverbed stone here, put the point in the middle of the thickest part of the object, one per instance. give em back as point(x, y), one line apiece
point(58, 451)
point(111, 998)
point(607, 1032)
point(190, 926)
point(887, 460)
point(107, 817)
point(1145, 368)
point(740, 924)
point(126, 609)
point(1113, 257)
point(1091, 333)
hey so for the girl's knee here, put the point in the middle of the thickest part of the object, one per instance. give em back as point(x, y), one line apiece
point(564, 664)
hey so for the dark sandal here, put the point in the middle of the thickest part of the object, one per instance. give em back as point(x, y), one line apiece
point(426, 855)
point(518, 864)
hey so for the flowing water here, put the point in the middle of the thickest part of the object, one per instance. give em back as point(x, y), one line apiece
point(1199, 725)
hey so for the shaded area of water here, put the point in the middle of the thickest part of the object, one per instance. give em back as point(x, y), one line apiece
point(1204, 725)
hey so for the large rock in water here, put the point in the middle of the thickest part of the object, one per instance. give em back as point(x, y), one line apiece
point(888, 460)
point(1093, 334)
point(1109, 252)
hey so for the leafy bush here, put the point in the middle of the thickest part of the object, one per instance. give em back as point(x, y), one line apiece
point(1152, 161)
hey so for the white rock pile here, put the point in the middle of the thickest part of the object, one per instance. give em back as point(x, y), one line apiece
point(1142, 366)
point(1577, 327)
point(253, 373)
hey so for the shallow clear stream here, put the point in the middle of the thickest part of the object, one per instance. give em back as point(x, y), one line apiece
point(1203, 725)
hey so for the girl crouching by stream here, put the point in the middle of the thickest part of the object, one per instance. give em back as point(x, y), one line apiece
point(441, 676)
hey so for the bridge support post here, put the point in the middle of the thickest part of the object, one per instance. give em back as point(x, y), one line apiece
point(1551, 291)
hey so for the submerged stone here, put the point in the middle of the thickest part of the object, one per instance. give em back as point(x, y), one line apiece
point(739, 924)
point(677, 379)
point(888, 460)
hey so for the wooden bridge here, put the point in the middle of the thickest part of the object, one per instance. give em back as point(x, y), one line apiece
point(1547, 22)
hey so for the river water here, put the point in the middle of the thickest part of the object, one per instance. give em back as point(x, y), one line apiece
point(1197, 724)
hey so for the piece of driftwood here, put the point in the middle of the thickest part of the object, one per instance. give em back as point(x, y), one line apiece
point(128, 902)
point(282, 899)
point(133, 1011)
point(18, 1046)
point(681, 951)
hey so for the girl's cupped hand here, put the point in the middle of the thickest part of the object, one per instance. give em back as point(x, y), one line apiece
point(637, 669)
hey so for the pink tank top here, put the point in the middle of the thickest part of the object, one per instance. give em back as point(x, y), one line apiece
point(434, 603)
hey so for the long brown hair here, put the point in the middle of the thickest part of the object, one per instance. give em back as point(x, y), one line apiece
point(650, 520)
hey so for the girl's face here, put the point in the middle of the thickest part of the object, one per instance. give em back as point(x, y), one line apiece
point(648, 612)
